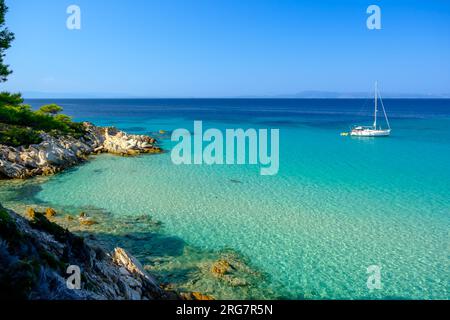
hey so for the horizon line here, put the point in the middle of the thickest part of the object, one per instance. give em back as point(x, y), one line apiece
point(235, 98)
point(310, 94)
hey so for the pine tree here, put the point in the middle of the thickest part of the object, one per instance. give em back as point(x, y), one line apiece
point(6, 37)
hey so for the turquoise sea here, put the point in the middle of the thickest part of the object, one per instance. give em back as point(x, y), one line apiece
point(337, 206)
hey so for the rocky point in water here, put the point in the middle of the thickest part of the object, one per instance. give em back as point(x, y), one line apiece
point(54, 154)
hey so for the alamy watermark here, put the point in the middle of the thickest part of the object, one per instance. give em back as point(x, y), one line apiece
point(236, 146)
point(73, 21)
point(374, 20)
point(73, 282)
point(374, 278)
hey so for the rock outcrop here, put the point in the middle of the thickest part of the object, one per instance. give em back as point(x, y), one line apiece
point(233, 271)
point(54, 154)
point(36, 255)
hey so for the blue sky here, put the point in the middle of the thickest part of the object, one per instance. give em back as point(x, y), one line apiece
point(212, 48)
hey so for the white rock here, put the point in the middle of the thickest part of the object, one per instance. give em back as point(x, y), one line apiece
point(53, 154)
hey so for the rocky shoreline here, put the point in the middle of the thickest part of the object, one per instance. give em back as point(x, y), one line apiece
point(45, 247)
point(55, 154)
point(36, 253)
point(38, 256)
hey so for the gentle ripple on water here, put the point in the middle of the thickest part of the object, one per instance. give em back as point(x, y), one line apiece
point(337, 206)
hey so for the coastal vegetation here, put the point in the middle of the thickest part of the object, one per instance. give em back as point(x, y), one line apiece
point(6, 37)
point(20, 125)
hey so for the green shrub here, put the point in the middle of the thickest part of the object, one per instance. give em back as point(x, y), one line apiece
point(22, 124)
point(18, 279)
point(51, 109)
point(63, 118)
point(40, 222)
point(12, 99)
point(8, 228)
point(18, 136)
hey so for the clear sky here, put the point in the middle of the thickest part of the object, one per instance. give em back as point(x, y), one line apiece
point(225, 48)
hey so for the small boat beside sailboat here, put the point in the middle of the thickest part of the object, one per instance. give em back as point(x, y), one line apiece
point(374, 130)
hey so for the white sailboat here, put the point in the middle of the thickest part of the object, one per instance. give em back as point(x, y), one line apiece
point(374, 130)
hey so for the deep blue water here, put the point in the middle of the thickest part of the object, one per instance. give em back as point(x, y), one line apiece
point(332, 110)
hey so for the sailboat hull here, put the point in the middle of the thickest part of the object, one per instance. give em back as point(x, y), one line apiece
point(370, 133)
point(374, 130)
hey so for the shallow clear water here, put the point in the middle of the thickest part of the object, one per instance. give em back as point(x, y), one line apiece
point(337, 205)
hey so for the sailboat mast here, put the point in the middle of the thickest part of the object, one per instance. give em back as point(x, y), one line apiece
point(376, 105)
point(385, 114)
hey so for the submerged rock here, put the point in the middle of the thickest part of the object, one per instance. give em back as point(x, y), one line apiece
point(31, 213)
point(195, 296)
point(50, 212)
point(85, 220)
point(233, 270)
point(221, 267)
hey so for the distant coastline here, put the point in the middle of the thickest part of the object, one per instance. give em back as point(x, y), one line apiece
point(300, 95)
